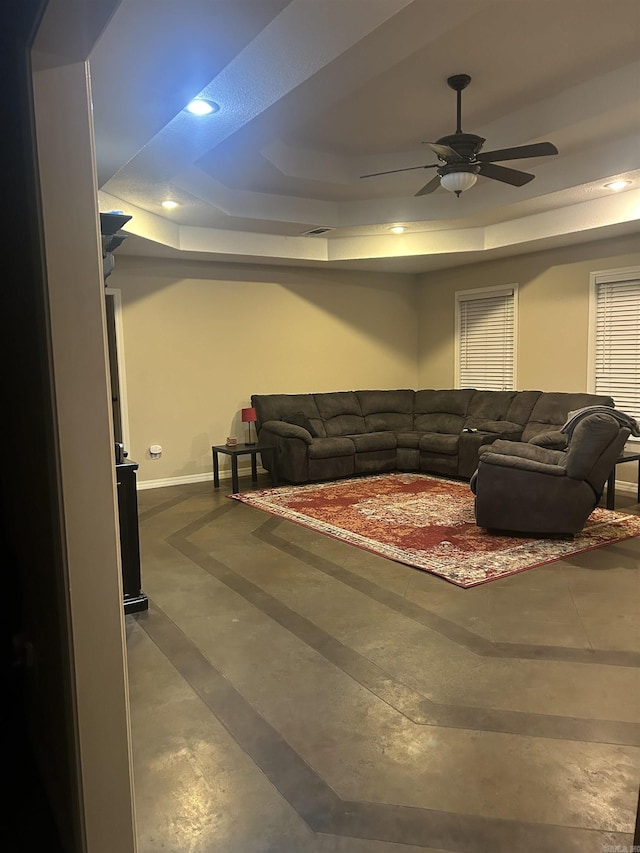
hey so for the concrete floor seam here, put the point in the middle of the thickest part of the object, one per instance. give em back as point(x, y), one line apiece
point(322, 809)
point(292, 693)
point(456, 633)
point(416, 707)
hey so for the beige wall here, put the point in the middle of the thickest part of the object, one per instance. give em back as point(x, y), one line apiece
point(200, 338)
point(553, 314)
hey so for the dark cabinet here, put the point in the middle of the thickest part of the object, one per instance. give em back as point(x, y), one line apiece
point(134, 599)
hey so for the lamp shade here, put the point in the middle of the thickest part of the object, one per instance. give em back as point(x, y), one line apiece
point(249, 416)
point(458, 182)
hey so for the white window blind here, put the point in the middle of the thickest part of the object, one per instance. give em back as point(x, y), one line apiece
point(616, 368)
point(486, 340)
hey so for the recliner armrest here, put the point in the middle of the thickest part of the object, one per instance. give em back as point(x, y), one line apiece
point(524, 450)
point(500, 460)
point(552, 440)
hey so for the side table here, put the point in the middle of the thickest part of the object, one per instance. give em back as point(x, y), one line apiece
point(625, 456)
point(243, 450)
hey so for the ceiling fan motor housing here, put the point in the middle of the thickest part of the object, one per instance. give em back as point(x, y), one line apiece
point(466, 146)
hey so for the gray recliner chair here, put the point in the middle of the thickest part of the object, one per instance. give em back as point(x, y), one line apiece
point(530, 489)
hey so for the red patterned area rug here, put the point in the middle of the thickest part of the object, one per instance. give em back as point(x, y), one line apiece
point(428, 523)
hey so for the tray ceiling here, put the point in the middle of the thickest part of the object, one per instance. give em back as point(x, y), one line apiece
point(312, 95)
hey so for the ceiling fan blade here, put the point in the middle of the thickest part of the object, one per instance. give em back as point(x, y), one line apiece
point(538, 149)
point(433, 184)
point(442, 151)
point(408, 169)
point(507, 176)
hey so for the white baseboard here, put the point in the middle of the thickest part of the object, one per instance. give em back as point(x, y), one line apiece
point(194, 478)
point(621, 485)
point(174, 481)
point(626, 486)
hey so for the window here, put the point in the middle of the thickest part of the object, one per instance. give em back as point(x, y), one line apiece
point(485, 338)
point(614, 337)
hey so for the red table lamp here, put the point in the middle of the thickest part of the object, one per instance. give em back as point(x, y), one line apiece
point(249, 417)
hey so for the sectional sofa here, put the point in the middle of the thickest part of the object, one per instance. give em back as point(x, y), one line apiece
point(338, 434)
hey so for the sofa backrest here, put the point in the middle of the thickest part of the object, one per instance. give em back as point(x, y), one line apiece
point(441, 411)
point(488, 407)
point(429, 410)
point(521, 407)
point(387, 410)
point(278, 407)
point(341, 413)
point(551, 409)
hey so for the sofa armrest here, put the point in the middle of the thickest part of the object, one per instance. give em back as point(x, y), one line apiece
point(524, 450)
point(523, 464)
point(553, 439)
point(287, 430)
point(502, 428)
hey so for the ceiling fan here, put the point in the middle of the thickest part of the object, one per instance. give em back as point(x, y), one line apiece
point(461, 160)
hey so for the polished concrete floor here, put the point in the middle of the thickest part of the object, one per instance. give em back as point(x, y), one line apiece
point(292, 693)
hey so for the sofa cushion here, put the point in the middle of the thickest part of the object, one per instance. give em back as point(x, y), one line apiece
point(439, 443)
point(387, 410)
point(301, 420)
point(488, 406)
point(488, 413)
point(442, 411)
point(325, 448)
point(551, 409)
point(341, 413)
point(373, 441)
point(521, 406)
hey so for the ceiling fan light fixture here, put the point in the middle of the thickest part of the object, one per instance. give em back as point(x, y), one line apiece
point(458, 182)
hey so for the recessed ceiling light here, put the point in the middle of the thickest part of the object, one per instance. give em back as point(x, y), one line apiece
point(617, 185)
point(398, 229)
point(202, 107)
point(169, 204)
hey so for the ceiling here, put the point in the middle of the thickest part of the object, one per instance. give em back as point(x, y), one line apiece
point(313, 94)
